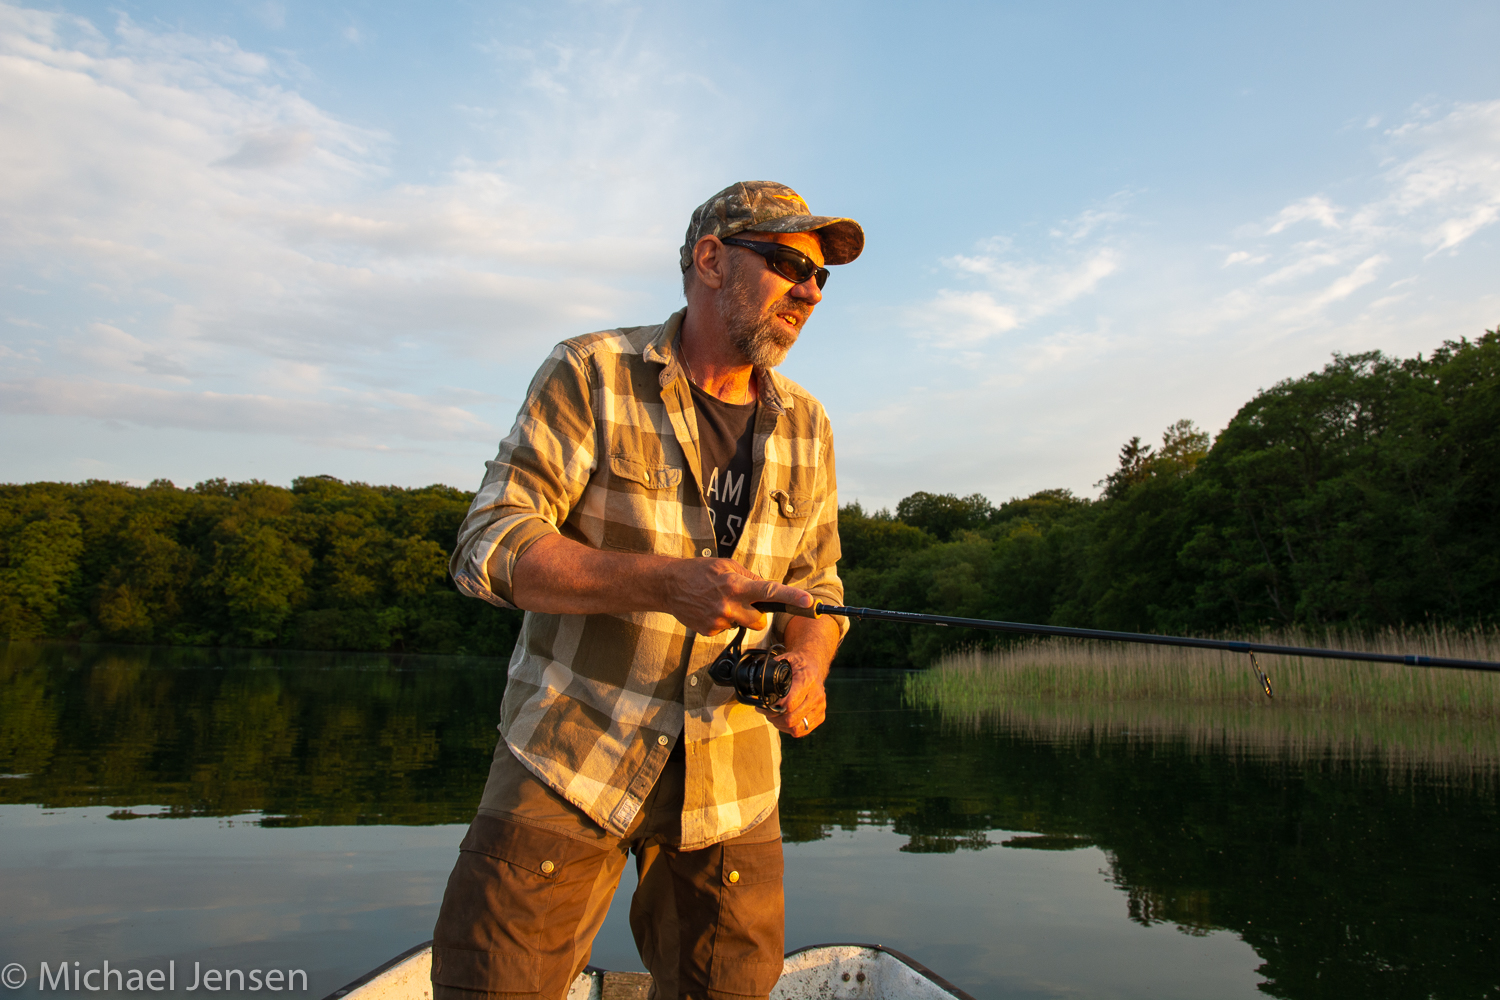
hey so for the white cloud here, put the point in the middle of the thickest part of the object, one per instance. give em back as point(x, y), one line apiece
point(1315, 209)
point(1018, 291)
point(1439, 186)
point(1356, 279)
point(271, 149)
point(364, 421)
point(970, 317)
point(190, 242)
point(1452, 182)
point(1052, 351)
point(109, 351)
point(1302, 260)
point(1066, 346)
point(217, 231)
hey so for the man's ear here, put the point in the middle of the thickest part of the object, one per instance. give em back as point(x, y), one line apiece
point(711, 261)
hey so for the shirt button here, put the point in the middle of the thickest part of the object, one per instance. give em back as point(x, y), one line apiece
point(693, 681)
point(663, 740)
point(734, 876)
point(548, 868)
point(707, 553)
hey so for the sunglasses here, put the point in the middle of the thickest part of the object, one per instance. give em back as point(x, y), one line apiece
point(789, 262)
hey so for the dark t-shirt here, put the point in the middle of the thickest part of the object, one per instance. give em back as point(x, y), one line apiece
point(725, 433)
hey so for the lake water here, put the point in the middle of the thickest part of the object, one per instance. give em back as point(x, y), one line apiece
point(246, 810)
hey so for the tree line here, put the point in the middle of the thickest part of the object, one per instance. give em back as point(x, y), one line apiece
point(322, 565)
point(1363, 495)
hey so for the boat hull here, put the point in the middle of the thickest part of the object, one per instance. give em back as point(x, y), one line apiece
point(817, 972)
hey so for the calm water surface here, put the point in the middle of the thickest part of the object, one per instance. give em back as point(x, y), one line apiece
point(254, 810)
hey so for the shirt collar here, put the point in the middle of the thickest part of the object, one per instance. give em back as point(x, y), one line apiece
point(663, 351)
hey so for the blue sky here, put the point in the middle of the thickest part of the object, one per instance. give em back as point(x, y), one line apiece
point(270, 239)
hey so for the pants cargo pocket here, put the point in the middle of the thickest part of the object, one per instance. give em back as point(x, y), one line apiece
point(750, 939)
point(511, 909)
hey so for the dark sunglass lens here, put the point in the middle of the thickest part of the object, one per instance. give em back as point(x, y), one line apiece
point(791, 265)
point(797, 267)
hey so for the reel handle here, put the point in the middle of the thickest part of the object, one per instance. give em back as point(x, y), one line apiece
point(772, 607)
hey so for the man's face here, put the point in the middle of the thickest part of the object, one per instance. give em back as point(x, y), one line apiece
point(763, 311)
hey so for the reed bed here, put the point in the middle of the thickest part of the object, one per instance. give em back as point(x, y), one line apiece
point(1410, 718)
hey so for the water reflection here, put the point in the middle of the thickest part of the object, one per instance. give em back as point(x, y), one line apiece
point(1345, 877)
point(302, 738)
point(1348, 878)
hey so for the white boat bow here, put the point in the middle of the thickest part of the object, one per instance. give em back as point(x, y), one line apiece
point(817, 972)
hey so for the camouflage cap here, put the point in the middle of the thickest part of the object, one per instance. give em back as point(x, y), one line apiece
point(768, 207)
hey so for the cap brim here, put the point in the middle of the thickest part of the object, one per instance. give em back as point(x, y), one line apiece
point(843, 239)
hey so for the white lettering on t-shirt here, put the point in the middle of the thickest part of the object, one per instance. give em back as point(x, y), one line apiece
point(734, 523)
point(732, 489)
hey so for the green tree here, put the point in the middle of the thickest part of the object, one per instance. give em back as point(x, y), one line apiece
point(1331, 499)
point(1037, 542)
point(257, 573)
point(41, 562)
point(1135, 467)
point(942, 515)
point(142, 590)
point(875, 541)
point(1468, 380)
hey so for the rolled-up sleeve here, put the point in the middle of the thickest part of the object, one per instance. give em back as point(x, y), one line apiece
point(530, 487)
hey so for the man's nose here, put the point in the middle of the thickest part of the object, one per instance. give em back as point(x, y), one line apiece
point(807, 291)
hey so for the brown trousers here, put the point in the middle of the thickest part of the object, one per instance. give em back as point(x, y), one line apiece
point(535, 877)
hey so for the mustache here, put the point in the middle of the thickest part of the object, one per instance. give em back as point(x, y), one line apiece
point(794, 306)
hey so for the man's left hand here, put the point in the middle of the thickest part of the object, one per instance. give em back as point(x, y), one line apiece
point(811, 643)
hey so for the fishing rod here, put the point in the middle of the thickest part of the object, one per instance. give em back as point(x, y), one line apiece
point(761, 678)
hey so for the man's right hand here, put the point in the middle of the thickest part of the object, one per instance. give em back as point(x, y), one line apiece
point(557, 575)
point(711, 595)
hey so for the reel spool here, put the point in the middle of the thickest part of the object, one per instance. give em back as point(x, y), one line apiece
point(759, 676)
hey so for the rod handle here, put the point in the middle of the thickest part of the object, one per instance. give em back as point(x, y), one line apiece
point(772, 607)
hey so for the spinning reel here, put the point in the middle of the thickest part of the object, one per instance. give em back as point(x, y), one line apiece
point(759, 676)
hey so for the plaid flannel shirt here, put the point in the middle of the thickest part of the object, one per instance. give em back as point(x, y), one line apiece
point(605, 451)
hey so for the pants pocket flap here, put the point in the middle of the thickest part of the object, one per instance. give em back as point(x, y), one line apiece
point(752, 864)
point(551, 855)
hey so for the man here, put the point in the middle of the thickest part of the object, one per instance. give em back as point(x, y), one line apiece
point(658, 481)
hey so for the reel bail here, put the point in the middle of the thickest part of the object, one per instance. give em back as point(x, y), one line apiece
point(759, 676)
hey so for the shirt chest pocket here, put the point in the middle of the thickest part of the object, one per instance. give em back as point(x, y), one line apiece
point(790, 513)
point(643, 501)
point(651, 476)
point(792, 504)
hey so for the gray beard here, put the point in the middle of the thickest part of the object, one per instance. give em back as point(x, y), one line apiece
point(760, 340)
